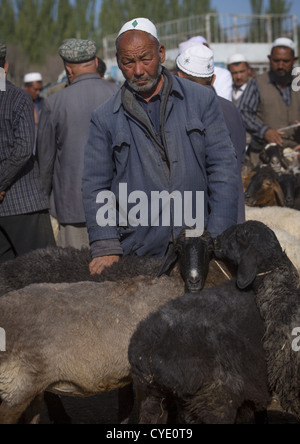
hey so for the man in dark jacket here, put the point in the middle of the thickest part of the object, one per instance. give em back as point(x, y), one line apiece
point(24, 218)
point(159, 134)
point(197, 64)
point(63, 132)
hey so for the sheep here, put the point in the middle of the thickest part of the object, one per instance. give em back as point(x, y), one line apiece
point(69, 265)
point(273, 155)
point(286, 219)
point(290, 244)
point(49, 325)
point(263, 189)
point(72, 339)
point(276, 284)
point(288, 184)
point(203, 353)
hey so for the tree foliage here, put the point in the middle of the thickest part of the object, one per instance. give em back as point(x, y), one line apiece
point(38, 27)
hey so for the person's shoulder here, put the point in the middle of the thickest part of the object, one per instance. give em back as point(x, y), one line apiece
point(227, 105)
point(192, 89)
point(110, 85)
point(16, 94)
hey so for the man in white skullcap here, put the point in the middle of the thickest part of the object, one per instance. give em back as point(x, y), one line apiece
point(223, 82)
point(241, 74)
point(159, 135)
point(270, 103)
point(33, 84)
point(196, 63)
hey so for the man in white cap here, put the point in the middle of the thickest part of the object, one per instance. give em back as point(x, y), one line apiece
point(33, 84)
point(159, 134)
point(241, 74)
point(196, 63)
point(270, 104)
point(223, 82)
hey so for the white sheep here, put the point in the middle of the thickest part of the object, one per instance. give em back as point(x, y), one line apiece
point(290, 244)
point(286, 219)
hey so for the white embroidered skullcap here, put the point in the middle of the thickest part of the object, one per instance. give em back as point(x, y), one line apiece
point(236, 58)
point(197, 40)
point(140, 24)
point(33, 77)
point(197, 61)
point(283, 41)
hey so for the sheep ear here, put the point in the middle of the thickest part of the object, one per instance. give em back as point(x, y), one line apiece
point(168, 262)
point(247, 269)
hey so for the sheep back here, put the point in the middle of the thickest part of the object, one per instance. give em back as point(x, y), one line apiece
point(68, 265)
point(276, 217)
point(75, 333)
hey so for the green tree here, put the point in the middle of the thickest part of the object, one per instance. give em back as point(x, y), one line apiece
point(84, 18)
point(256, 6)
point(7, 21)
point(64, 25)
point(195, 7)
point(278, 7)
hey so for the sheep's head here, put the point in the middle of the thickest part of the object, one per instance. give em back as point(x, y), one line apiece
point(253, 247)
point(193, 254)
point(264, 189)
point(288, 184)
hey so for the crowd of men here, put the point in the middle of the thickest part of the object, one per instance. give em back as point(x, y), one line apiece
point(158, 132)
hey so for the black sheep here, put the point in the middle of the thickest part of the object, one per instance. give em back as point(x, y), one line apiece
point(262, 264)
point(203, 354)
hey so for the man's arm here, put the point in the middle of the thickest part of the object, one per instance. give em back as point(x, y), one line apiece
point(221, 168)
point(98, 174)
point(23, 144)
point(46, 147)
point(248, 107)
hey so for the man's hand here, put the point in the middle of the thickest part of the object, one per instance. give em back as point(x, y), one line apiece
point(99, 263)
point(2, 195)
point(297, 148)
point(273, 136)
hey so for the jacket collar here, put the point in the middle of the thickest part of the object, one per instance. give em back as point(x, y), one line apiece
point(176, 89)
point(86, 77)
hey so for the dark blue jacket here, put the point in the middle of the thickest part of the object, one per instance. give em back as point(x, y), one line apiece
point(235, 125)
point(122, 149)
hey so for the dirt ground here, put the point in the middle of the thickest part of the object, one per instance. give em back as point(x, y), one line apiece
point(102, 409)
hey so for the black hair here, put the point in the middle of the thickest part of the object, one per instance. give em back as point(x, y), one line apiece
point(101, 67)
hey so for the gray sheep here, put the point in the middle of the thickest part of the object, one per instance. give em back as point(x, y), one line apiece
point(72, 339)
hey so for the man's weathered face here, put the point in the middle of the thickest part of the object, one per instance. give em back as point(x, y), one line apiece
point(282, 61)
point(34, 89)
point(240, 73)
point(140, 57)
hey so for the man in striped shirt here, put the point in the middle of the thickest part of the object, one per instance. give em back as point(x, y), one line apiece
point(24, 218)
point(270, 104)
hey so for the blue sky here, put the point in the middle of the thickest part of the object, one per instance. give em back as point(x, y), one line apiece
point(243, 6)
